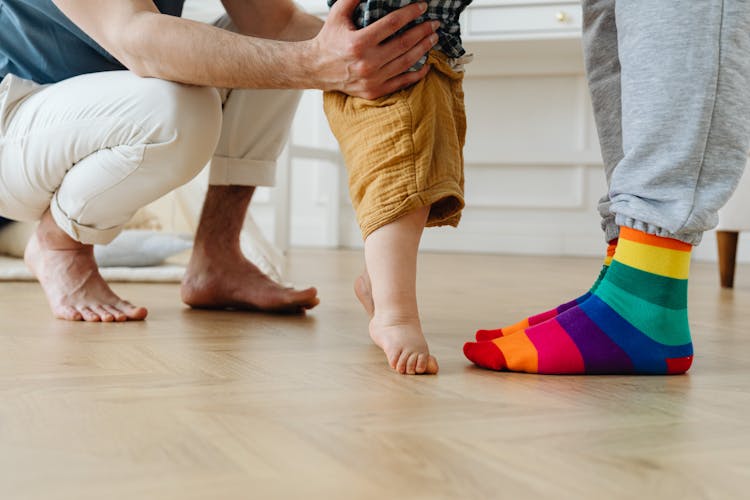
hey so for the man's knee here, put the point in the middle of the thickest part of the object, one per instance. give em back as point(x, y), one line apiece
point(183, 127)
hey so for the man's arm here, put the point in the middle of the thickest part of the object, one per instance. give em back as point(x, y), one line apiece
point(339, 57)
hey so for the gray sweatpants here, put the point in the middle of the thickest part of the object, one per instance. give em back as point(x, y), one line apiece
point(670, 86)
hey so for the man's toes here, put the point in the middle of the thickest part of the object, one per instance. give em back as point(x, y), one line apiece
point(68, 313)
point(292, 301)
point(116, 313)
point(411, 364)
point(103, 314)
point(307, 298)
point(89, 315)
point(312, 303)
point(131, 311)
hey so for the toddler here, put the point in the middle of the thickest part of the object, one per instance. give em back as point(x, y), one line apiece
point(404, 155)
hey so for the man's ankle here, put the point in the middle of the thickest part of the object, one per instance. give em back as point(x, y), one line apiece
point(212, 250)
point(51, 237)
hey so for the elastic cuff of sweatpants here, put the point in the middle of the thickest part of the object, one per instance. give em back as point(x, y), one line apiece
point(83, 234)
point(611, 229)
point(240, 172)
point(645, 227)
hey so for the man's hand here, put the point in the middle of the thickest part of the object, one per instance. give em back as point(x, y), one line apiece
point(361, 62)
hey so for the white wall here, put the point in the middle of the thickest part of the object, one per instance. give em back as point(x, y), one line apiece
point(533, 169)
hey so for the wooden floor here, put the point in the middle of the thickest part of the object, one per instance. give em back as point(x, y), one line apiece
point(207, 405)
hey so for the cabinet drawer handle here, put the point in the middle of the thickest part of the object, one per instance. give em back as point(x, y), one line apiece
point(562, 17)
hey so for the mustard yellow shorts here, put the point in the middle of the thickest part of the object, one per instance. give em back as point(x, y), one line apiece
point(404, 151)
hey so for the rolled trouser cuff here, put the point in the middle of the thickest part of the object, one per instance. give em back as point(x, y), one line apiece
point(227, 171)
point(84, 234)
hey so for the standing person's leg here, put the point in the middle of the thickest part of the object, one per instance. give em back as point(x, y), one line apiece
point(686, 131)
point(395, 327)
point(83, 155)
point(404, 154)
point(686, 114)
point(255, 129)
point(603, 72)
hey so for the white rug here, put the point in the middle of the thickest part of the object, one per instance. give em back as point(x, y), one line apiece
point(12, 269)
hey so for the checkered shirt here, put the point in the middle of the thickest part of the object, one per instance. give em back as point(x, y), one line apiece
point(445, 11)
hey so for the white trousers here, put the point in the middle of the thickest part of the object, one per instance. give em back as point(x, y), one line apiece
point(96, 148)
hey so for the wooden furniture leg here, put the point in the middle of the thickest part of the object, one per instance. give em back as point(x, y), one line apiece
point(727, 246)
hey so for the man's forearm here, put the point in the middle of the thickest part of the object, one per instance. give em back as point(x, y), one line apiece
point(368, 63)
point(175, 49)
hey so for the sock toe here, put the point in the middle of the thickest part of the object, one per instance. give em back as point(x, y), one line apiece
point(485, 354)
point(483, 335)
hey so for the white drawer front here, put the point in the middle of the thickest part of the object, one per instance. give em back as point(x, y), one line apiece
point(520, 20)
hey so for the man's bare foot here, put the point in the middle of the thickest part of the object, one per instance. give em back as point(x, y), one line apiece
point(230, 281)
point(219, 276)
point(70, 278)
point(404, 346)
point(363, 291)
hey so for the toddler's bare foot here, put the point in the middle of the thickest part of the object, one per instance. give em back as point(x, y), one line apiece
point(70, 278)
point(363, 291)
point(404, 346)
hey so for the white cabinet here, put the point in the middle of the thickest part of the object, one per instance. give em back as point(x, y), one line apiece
point(514, 20)
point(505, 18)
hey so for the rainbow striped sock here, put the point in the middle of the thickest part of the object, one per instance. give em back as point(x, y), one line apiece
point(546, 315)
point(635, 322)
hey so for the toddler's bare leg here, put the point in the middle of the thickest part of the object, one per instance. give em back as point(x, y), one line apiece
point(363, 291)
point(391, 257)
